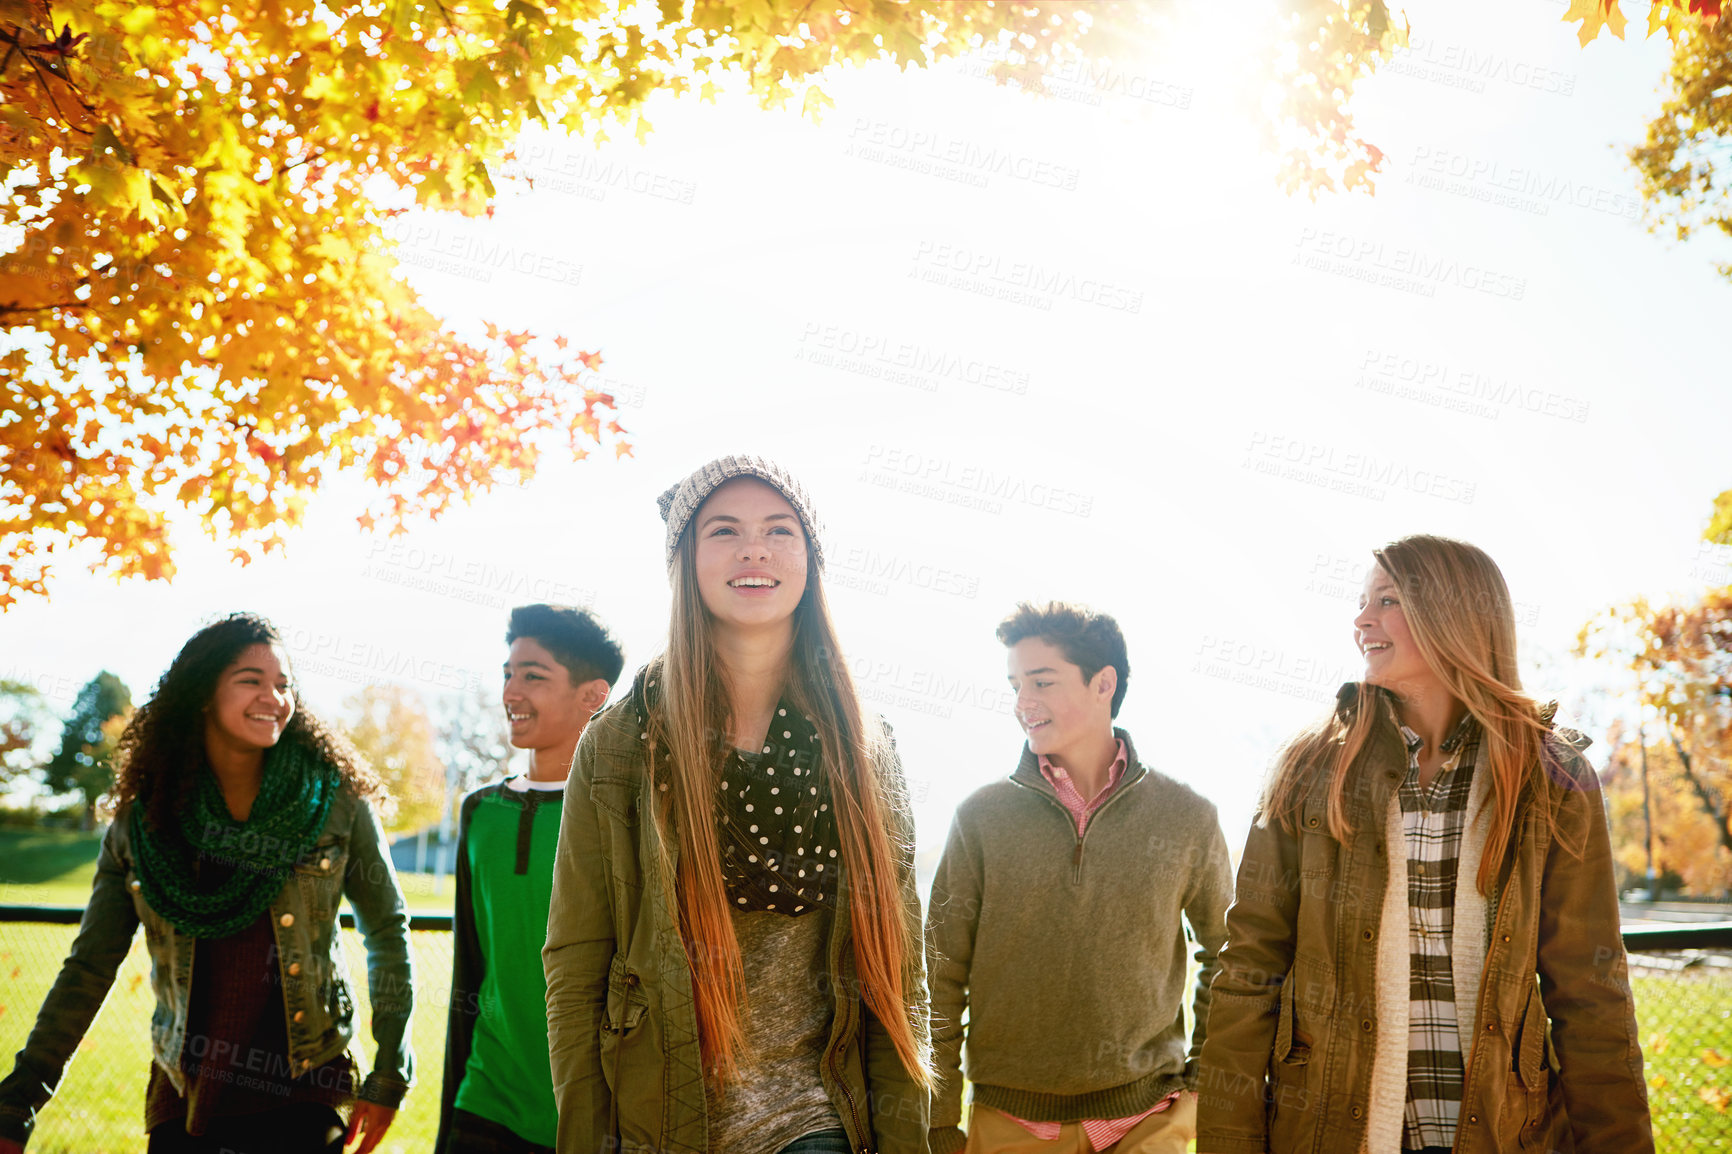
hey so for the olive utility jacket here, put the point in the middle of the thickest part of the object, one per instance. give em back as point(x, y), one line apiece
point(622, 1029)
point(1287, 1066)
point(348, 860)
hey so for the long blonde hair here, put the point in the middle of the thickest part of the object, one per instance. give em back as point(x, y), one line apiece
point(1459, 612)
point(694, 709)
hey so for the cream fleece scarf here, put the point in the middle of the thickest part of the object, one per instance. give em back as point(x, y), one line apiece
point(1469, 943)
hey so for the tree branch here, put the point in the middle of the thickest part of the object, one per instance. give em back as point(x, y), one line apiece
point(1700, 788)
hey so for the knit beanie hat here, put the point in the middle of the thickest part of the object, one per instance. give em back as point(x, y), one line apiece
point(680, 503)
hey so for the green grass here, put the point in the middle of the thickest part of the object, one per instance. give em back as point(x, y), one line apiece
point(55, 868)
point(1685, 1024)
point(99, 1108)
point(46, 866)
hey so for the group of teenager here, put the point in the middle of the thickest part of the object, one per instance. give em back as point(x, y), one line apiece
point(693, 925)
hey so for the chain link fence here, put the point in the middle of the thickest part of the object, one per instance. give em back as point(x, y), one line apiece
point(1683, 1009)
point(1684, 1018)
point(99, 1108)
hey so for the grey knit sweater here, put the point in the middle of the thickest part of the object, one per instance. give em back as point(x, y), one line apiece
point(1069, 955)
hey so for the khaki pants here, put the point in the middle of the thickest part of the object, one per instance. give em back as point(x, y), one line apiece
point(1169, 1132)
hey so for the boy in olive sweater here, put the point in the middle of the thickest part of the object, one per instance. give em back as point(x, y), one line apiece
point(1058, 917)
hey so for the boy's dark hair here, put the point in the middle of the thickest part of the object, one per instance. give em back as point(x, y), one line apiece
point(1091, 641)
point(575, 638)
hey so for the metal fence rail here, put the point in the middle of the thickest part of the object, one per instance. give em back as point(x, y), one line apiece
point(1681, 976)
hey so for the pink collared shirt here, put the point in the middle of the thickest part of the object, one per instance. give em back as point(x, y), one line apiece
point(1073, 801)
point(1102, 1133)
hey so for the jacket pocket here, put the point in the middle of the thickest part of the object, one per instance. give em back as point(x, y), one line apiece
point(617, 803)
point(1292, 1045)
point(1289, 1106)
point(1318, 849)
point(319, 875)
point(626, 1001)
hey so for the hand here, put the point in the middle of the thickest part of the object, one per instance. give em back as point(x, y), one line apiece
point(369, 1123)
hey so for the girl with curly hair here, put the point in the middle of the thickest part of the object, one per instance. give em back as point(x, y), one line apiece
point(240, 824)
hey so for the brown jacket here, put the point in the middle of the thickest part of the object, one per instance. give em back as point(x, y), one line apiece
point(1289, 1060)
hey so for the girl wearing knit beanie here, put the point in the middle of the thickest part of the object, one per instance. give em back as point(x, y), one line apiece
point(241, 824)
point(733, 952)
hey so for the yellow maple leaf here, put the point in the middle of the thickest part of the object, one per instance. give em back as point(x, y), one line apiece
point(1711, 1057)
point(1716, 1096)
point(1595, 15)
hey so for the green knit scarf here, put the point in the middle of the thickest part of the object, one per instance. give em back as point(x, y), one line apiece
point(286, 819)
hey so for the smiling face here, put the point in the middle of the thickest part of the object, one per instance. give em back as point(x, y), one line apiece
point(1392, 657)
point(1058, 710)
point(252, 701)
point(750, 555)
point(543, 707)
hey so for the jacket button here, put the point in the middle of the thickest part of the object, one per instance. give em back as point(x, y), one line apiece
point(287, 919)
point(1506, 937)
point(1311, 823)
point(1367, 1025)
point(300, 1015)
point(1368, 935)
point(1356, 1112)
point(1473, 1118)
point(1491, 1027)
point(294, 969)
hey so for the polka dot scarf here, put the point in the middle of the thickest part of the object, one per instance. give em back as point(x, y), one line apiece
point(775, 824)
point(776, 827)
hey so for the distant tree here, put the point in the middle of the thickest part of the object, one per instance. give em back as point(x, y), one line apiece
point(25, 721)
point(390, 726)
point(85, 761)
point(473, 741)
point(1677, 663)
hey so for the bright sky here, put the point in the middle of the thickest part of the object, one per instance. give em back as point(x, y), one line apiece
point(1078, 348)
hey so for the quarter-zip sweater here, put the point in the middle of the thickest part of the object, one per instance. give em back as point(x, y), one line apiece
point(1068, 952)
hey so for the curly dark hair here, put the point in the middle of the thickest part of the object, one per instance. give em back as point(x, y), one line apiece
point(162, 747)
point(1090, 641)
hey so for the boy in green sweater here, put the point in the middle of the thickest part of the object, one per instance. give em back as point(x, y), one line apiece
point(497, 1096)
point(1058, 917)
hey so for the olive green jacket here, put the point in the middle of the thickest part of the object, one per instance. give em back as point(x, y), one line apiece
point(1553, 1063)
point(621, 1026)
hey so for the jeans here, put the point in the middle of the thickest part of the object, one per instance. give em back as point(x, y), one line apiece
point(301, 1128)
point(821, 1142)
point(473, 1134)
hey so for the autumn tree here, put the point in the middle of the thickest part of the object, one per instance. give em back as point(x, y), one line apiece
point(1685, 164)
point(472, 740)
point(25, 722)
point(202, 308)
point(84, 763)
point(1719, 528)
point(1678, 659)
point(390, 726)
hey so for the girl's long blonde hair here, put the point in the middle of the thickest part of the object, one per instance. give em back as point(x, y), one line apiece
point(1459, 612)
point(694, 709)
